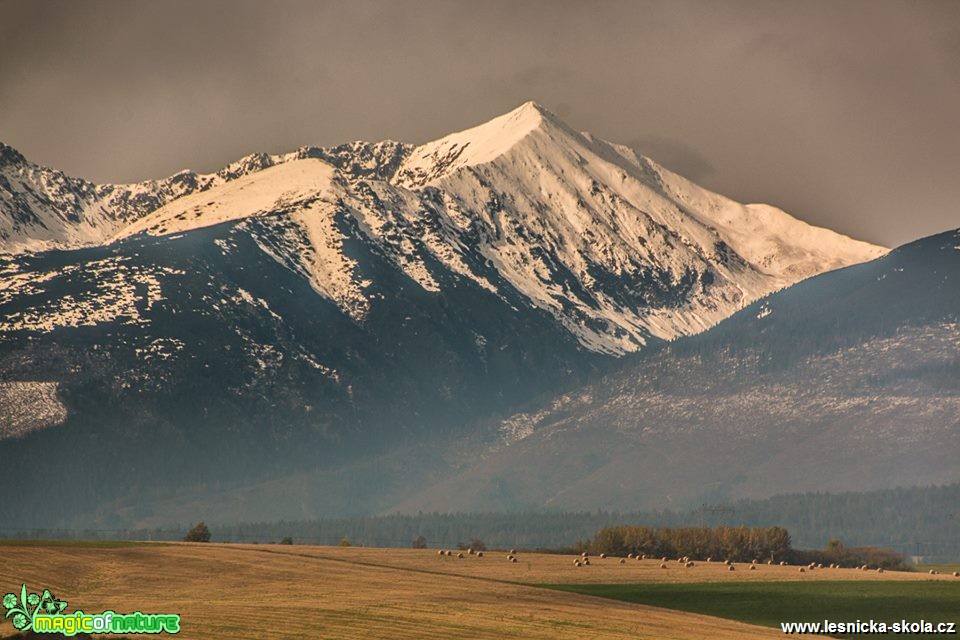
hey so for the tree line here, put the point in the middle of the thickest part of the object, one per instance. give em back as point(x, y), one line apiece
point(919, 521)
point(738, 544)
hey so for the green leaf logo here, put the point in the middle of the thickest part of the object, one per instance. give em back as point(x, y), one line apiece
point(25, 609)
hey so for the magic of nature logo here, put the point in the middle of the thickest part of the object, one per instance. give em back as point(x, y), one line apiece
point(44, 613)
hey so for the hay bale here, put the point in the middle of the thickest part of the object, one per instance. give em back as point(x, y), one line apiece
point(879, 569)
point(688, 564)
point(802, 569)
point(753, 567)
point(513, 551)
point(643, 557)
point(514, 560)
point(469, 552)
point(630, 556)
point(603, 555)
point(769, 561)
point(956, 574)
point(663, 565)
point(623, 561)
point(460, 555)
point(709, 559)
point(727, 562)
point(783, 563)
point(730, 567)
point(440, 552)
point(479, 554)
point(932, 572)
point(576, 563)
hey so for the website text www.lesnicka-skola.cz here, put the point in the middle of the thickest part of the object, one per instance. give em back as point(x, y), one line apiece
point(870, 626)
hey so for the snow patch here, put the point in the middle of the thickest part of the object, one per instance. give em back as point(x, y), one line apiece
point(121, 292)
point(28, 406)
point(160, 349)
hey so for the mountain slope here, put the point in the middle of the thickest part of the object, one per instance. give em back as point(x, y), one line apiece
point(200, 361)
point(847, 381)
point(319, 331)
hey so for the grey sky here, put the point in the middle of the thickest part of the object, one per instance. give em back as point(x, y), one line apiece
point(843, 113)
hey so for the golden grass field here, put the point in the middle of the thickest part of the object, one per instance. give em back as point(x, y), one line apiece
point(241, 592)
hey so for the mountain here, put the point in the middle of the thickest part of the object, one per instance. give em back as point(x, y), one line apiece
point(318, 330)
point(847, 381)
point(615, 247)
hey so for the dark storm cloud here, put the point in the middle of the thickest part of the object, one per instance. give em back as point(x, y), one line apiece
point(843, 113)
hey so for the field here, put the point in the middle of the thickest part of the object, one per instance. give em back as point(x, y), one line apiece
point(272, 591)
point(769, 604)
point(942, 568)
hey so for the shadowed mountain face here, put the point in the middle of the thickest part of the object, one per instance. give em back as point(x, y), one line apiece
point(847, 381)
point(209, 367)
point(321, 332)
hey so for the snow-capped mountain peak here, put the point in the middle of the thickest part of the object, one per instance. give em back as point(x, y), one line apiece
point(613, 246)
point(477, 145)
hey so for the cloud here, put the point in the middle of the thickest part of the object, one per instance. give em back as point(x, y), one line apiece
point(843, 113)
point(949, 46)
point(675, 155)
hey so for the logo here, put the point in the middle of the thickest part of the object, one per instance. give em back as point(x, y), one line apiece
point(44, 613)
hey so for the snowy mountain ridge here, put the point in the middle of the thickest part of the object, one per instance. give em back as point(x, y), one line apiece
point(615, 247)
